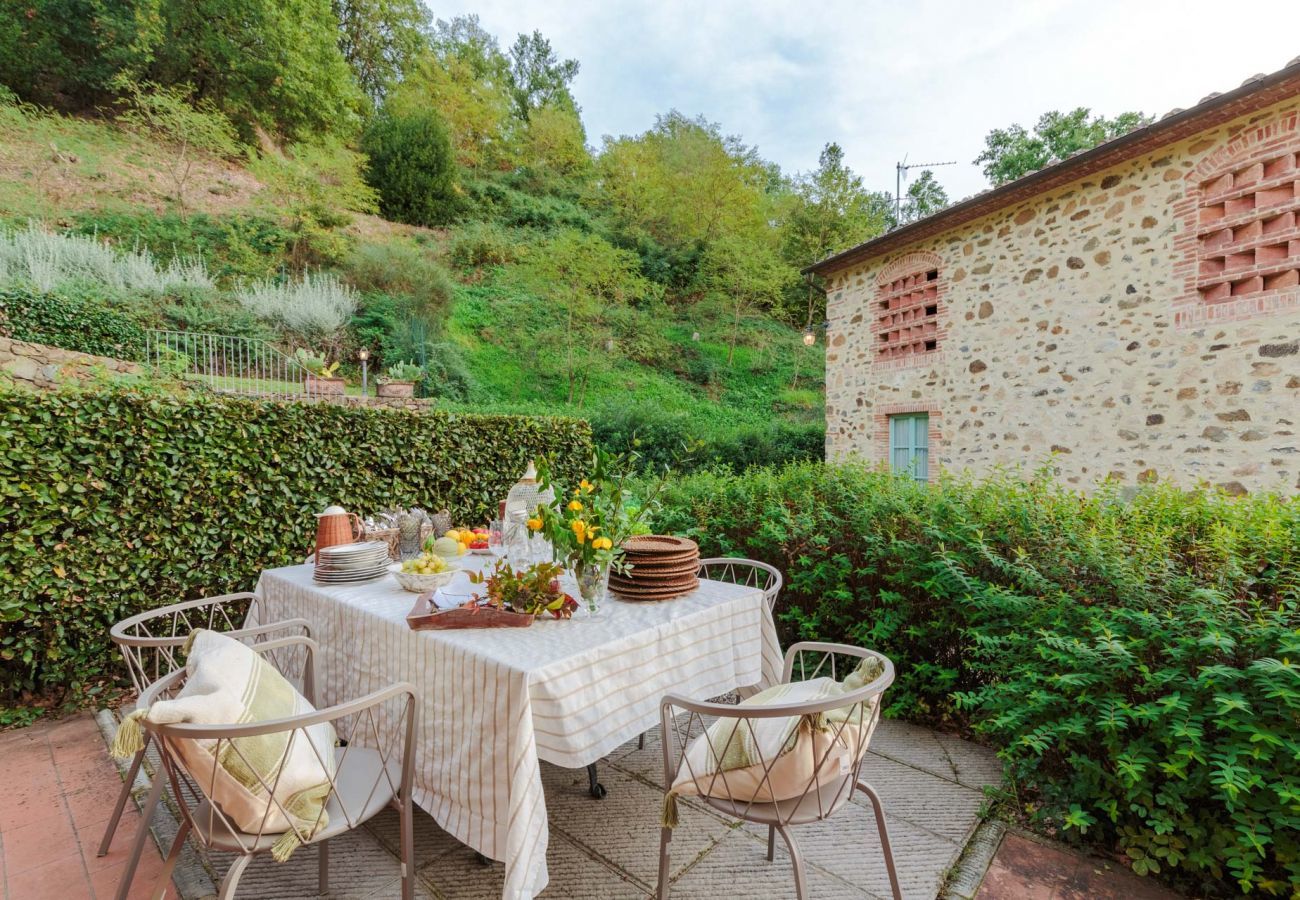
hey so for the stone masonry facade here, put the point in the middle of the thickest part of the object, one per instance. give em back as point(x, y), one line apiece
point(1139, 323)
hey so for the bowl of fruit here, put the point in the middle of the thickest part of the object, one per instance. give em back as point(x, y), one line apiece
point(458, 542)
point(426, 572)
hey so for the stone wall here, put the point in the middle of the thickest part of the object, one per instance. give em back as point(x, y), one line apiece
point(1086, 325)
point(41, 366)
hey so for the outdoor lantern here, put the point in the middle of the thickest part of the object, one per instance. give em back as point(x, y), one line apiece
point(809, 336)
point(364, 355)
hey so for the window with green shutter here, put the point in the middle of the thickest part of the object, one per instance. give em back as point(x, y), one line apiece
point(909, 445)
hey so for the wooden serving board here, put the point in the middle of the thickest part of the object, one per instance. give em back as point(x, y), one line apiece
point(424, 616)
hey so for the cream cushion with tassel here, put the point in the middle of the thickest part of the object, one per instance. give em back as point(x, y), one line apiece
point(228, 683)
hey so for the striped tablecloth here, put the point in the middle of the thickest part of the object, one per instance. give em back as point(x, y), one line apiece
point(495, 701)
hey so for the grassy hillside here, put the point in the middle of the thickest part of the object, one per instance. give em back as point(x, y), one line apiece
point(456, 300)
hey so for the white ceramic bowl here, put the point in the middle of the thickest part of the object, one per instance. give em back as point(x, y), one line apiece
point(417, 583)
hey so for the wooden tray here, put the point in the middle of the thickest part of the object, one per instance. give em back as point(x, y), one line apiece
point(424, 616)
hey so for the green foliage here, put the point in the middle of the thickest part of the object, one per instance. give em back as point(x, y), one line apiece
point(831, 211)
point(1012, 152)
point(403, 371)
point(1135, 661)
point(483, 244)
point(925, 196)
point(234, 246)
point(500, 202)
point(69, 322)
point(269, 64)
point(47, 260)
point(398, 267)
point(116, 502)
point(378, 38)
point(191, 129)
point(315, 306)
point(538, 78)
point(411, 166)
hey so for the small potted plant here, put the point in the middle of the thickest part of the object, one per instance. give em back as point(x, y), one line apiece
point(321, 377)
point(399, 380)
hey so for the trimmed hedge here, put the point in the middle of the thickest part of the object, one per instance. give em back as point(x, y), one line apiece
point(115, 502)
point(72, 323)
point(1136, 662)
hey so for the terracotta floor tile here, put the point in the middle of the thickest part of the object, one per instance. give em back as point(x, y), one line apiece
point(89, 837)
point(60, 879)
point(35, 845)
point(1002, 883)
point(94, 804)
point(104, 881)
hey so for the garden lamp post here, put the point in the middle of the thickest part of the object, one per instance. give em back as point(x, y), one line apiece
point(364, 355)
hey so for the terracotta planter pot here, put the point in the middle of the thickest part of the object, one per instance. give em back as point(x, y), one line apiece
point(400, 389)
point(331, 387)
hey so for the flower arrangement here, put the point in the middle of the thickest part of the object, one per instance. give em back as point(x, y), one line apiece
point(587, 524)
point(534, 591)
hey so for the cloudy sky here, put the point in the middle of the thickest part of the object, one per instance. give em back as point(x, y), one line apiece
point(924, 79)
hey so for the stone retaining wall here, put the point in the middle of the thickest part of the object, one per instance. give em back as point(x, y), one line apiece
point(41, 366)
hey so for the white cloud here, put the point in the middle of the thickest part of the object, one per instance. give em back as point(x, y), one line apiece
point(926, 79)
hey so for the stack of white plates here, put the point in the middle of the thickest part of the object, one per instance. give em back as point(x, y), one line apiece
point(349, 563)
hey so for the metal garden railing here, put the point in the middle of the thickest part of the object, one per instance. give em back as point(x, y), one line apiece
point(230, 364)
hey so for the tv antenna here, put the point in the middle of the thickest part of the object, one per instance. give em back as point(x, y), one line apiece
point(900, 175)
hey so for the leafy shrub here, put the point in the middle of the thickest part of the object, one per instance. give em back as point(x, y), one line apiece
point(233, 246)
point(1135, 662)
point(412, 166)
point(397, 267)
point(318, 304)
point(116, 502)
point(481, 244)
point(513, 208)
point(46, 260)
point(69, 322)
point(446, 373)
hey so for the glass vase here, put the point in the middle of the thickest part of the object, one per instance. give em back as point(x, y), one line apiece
point(593, 587)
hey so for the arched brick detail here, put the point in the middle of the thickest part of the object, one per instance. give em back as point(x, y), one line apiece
point(909, 264)
point(909, 313)
point(1239, 246)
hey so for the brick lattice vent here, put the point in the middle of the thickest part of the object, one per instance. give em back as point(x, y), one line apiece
point(907, 317)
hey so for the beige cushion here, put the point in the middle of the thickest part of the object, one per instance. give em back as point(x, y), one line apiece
point(228, 683)
point(770, 760)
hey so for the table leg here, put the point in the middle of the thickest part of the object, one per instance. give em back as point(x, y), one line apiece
point(594, 787)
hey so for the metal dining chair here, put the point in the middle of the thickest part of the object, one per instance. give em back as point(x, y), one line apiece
point(369, 773)
point(152, 644)
point(749, 572)
point(829, 785)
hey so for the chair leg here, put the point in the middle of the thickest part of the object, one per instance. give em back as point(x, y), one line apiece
point(231, 881)
point(141, 836)
point(771, 843)
point(407, 818)
point(800, 882)
point(665, 836)
point(122, 797)
point(323, 860)
point(884, 837)
point(165, 876)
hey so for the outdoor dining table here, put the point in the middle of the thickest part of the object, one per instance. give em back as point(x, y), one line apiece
point(495, 701)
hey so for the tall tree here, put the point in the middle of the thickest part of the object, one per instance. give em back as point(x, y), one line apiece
point(831, 211)
point(466, 78)
point(925, 195)
point(380, 39)
point(745, 278)
point(1012, 152)
point(539, 78)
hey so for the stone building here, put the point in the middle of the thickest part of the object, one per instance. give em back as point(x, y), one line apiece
point(1131, 312)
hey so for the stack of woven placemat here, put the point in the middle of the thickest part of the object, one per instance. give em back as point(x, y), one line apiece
point(659, 567)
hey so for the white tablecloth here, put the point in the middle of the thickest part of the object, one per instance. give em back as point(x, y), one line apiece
point(494, 701)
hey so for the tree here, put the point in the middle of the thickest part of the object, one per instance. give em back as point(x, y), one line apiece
point(831, 211)
point(537, 77)
point(466, 78)
point(412, 166)
point(380, 39)
point(164, 112)
point(267, 64)
point(924, 197)
point(684, 183)
point(745, 278)
point(589, 284)
point(554, 143)
point(1012, 152)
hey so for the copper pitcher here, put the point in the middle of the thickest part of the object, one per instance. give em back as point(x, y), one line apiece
point(336, 526)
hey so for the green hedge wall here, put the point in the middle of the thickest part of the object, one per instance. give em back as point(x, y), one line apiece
point(73, 323)
point(1136, 662)
point(114, 502)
